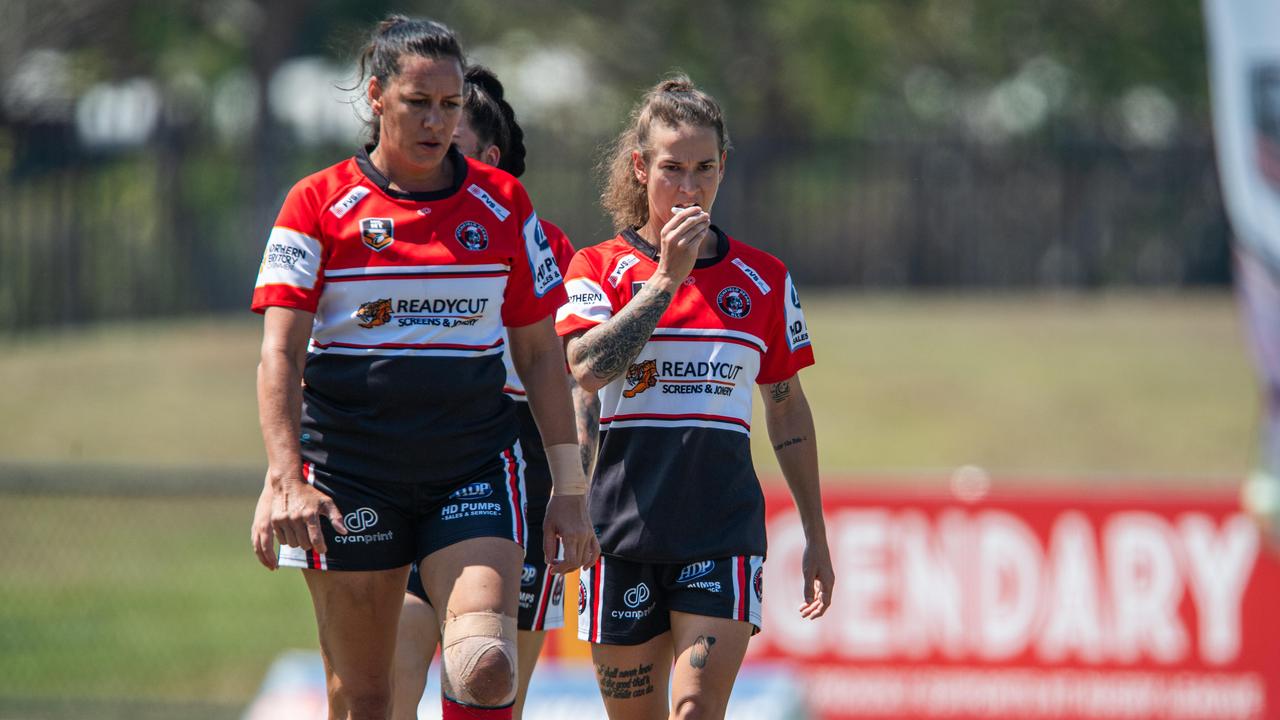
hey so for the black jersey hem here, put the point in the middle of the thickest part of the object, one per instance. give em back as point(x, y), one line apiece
point(453, 157)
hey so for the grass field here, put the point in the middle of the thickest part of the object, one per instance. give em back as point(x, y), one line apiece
point(159, 598)
point(1021, 385)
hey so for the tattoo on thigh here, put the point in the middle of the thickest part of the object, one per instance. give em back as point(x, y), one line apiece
point(701, 651)
point(622, 684)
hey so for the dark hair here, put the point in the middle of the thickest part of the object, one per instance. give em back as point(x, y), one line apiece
point(492, 118)
point(674, 101)
point(395, 37)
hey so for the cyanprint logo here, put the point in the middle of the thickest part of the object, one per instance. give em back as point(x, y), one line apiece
point(636, 596)
point(360, 520)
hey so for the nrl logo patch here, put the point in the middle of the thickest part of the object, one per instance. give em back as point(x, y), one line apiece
point(377, 233)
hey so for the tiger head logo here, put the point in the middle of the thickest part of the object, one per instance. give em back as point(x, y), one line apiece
point(374, 313)
point(642, 376)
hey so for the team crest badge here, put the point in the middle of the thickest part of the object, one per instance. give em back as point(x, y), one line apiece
point(757, 583)
point(374, 313)
point(377, 233)
point(582, 597)
point(734, 302)
point(472, 235)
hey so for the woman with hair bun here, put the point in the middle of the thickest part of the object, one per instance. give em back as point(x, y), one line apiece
point(675, 322)
point(386, 285)
point(490, 134)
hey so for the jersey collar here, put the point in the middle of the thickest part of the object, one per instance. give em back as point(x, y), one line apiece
point(454, 157)
point(640, 244)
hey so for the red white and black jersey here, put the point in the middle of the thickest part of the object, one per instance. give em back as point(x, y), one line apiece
point(674, 481)
point(563, 251)
point(411, 292)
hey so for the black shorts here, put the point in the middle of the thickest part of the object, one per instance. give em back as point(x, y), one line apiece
point(621, 602)
point(541, 592)
point(390, 525)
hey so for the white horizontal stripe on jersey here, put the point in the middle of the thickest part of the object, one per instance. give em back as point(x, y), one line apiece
point(686, 375)
point(291, 258)
point(463, 314)
point(677, 334)
point(415, 270)
point(664, 422)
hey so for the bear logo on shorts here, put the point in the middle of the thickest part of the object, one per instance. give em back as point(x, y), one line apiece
point(374, 313)
point(557, 590)
point(757, 583)
point(582, 597)
point(642, 376)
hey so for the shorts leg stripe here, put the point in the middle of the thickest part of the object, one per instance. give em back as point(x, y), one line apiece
point(513, 461)
point(315, 560)
point(740, 587)
point(754, 601)
point(544, 599)
point(597, 601)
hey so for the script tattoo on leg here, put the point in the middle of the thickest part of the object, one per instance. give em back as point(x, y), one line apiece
point(789, 443)
point(610, 347)
point(623, 684)
point(701, 651)
point(780, 391)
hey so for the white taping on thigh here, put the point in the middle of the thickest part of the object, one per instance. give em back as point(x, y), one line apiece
point(465, 639)
point(565, 462)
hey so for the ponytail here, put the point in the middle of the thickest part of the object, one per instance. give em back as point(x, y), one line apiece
point(493, 119)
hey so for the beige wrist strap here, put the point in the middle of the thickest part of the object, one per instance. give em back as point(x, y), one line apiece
point(565, 461)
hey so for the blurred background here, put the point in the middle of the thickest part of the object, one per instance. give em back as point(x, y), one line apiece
point(1004, 217)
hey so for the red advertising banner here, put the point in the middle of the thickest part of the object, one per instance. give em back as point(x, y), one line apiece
point(1063, 604)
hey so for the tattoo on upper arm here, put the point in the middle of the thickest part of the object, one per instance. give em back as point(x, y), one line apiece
point(789, 443)
point(607, 349)
point(780, 391)
point(620, 683)
point(701, 651)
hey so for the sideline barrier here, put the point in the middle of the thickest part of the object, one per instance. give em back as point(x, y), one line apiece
point(1071, 603)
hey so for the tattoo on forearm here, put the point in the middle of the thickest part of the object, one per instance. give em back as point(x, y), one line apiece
point(701, 651)
point(789, 443)
point(626, 683)
point(609, 348)
point(781, 391)
point(586, 410)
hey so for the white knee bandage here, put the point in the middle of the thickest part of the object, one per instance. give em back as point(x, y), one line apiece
point(464, 640)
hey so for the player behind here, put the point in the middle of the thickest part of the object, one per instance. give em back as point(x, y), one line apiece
point(677, 321)
point(489, 133)
point(386, 284)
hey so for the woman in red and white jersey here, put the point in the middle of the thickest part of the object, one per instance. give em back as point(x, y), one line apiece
point(386, 285)
point(677, 323)
point(490, 134)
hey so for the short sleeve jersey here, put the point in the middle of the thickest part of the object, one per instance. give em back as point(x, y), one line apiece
point(563, 251)
point(411, 291)
point(674, 481)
